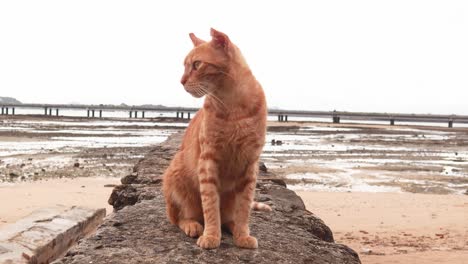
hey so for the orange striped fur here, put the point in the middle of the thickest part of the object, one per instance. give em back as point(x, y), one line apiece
point(211, 180)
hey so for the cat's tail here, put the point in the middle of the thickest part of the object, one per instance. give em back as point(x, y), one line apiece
point(257, 206)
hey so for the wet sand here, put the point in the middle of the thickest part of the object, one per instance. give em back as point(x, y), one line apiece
point(381, 227)
point(369, 158)
point(396, 227)
point(21, 198)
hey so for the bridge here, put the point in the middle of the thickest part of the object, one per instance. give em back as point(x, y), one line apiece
point(391, 118)
point(96, 111)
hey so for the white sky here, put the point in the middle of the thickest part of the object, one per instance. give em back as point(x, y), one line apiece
point(379, 56)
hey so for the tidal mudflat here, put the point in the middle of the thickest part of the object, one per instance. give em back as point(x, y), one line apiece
point(395, 194)
point(34, 148)
point(311, 156)
point(370, 158)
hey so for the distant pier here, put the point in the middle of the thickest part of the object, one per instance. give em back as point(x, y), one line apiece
point(390, 118)
point(135, 112)
point(97, 111)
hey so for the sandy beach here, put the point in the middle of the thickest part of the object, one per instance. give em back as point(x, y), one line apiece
point(396, 227)
point(381, 227)
point(20, 199)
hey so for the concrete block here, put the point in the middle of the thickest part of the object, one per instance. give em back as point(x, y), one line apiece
point(47, 234)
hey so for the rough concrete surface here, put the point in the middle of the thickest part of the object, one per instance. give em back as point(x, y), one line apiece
point(139, 232)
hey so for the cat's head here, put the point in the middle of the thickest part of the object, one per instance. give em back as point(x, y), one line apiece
point(209, 65)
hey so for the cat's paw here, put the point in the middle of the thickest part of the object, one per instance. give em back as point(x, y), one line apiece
point(208, 242)
point(192, 228)
point(246, 242)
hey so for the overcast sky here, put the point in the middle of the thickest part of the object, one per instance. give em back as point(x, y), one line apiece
point(379, 56)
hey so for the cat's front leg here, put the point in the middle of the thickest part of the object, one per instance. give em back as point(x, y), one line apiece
point(209, 182)
point(245, 189)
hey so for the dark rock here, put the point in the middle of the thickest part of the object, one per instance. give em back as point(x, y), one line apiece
point(129, 179)
point(122, 196)
point(279, 182)
point(139, 232)
point(13, 175)
point(76, 165)
point(276, 142)
point(282, 128)
point(262, 167)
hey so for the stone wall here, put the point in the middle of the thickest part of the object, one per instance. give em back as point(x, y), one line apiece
point(139, 232)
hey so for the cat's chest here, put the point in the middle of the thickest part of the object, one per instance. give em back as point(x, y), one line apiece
point(236, 134)
point(235, 145)
point(235, 141)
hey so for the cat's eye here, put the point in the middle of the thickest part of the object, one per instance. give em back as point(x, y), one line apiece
point(196, 65)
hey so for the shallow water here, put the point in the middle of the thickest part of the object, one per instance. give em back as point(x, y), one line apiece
point(45, 136)
point(318, 157)
point(392, 159)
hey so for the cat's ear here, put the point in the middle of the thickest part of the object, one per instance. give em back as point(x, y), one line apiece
point(219, 39)
point(196, 41)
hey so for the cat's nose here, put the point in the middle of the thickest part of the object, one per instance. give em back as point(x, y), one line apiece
point(184, 79)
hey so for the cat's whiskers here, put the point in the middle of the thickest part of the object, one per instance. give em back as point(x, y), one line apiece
point(197, 90)
point(201, 91)
point(214, 96)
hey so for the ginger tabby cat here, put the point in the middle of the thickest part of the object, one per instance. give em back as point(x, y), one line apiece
point(212, 178)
